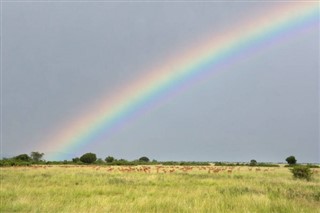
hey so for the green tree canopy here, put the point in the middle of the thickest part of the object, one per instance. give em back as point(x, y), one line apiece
point(88, 158)
point(23, 157)
point(291, 160)
point(75, 160)
point(36, 156)
point(253, 162)
point(109, 159)
point(144, 159)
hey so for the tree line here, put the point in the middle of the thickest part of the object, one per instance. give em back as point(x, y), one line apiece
point(91, 158)
point(298, 171)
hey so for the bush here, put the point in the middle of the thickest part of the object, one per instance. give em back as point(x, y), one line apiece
point(88, 158)
point(14, 162)
point(312, 165)
point(99, 161)
point(122, 162)
point(23, 157)
point(301, 172)
point(193, 163)
point(184, 163)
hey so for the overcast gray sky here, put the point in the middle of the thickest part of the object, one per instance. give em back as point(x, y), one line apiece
point(61, 57)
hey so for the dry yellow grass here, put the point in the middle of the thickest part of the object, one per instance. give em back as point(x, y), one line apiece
point(156, 189)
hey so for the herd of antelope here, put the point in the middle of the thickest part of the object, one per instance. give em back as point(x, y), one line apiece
point(181, 169)
point(173, 169)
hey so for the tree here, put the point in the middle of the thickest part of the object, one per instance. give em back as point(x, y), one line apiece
point(23, 157)
point(88, 158)
point(76, 160)
point(99, 161)
point(109, 159)
point(253, 162)
point(144, 159)
point(291, 160)
point(36, 156)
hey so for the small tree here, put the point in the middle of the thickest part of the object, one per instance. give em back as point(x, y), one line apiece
point(36, 156)
point(301, 172)
point(76, 160)
point(23, 157)
point(99, 161)
point(109, 159)
point(88, 158)
point(144, 159)
point(291, 160)
point(253, 162)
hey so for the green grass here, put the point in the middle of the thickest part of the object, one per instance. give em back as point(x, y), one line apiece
point(94, 189)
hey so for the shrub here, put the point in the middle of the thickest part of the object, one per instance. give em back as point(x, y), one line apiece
point(14, 162)
point(312, 165)
point(301, 172)
point(99, 161)
point(267, 165)
point(88, 158)
point(193, 163)
point(122, 162)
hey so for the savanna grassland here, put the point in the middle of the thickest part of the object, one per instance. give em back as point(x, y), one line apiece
point(156, 189)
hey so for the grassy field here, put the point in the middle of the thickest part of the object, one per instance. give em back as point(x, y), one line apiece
point(156, 189)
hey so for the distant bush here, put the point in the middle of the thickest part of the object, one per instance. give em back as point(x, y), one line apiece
point(23, 157)
point(76, 160)
point(184, 163)
point(99, 161)
point(253, 162)
point(301, 172)
point(109, 159)
point(88, 158)
point(194, 163)
point(14, 162)
point(312, 165)
point(230, 164)
point(267, 165)
point(246, 164)
point(122, 162)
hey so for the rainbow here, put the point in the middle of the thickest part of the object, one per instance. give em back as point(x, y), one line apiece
point(204, 57)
